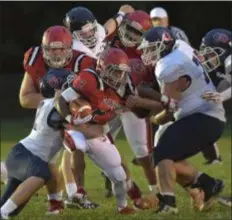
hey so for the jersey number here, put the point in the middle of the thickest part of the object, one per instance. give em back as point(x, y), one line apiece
point(197, 62)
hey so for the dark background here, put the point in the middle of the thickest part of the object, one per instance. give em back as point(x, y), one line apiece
point(23, 23)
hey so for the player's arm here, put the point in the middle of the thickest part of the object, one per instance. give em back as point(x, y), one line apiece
point(113, 23)
point(172, 90)
point(28, 96)
point(150, 99)
point(83, 85)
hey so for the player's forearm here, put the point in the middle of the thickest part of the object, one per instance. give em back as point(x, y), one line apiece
point(149, 104)
point(148, 92)
point(62, 106)
point(113, 23)
point(30, 100)
point(226, 94)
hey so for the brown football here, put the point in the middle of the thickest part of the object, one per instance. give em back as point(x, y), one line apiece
point(80, 108)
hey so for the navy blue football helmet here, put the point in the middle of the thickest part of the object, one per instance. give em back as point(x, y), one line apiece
point(55, 79)
point(216, 47)
point(83, 25)
point(156, 43)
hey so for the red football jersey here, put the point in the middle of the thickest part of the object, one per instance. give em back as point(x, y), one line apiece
point(35, 65)
point(103, 99)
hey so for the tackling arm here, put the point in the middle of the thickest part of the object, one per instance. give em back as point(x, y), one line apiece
point(28, 96)
point(172, 90)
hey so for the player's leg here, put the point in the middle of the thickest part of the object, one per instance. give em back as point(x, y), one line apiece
point(211, 154)
point(115, 126)
point(55, 190)
point(139, 136)
point(171, 148)
point(106, 156)
point(31, 171)
point(77, 196)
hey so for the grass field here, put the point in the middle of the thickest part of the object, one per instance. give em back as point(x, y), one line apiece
point(12, 131)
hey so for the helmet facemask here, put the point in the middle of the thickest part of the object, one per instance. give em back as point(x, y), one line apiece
point(212, 57)
point(130, 33)
point(114, 75)
point(57, 55)
point(151, 51)
point(88, 35)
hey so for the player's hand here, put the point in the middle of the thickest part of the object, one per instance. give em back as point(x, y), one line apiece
point(126, 9)
point(133, 101)
point(212, 96)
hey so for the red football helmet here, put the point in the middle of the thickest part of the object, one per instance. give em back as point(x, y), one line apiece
point(133, 27)
point(113, 67)
point(57, 46)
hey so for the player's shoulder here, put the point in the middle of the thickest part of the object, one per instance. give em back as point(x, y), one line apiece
point(169, 67)
point(32, 57)
point(88, 79)
point(82, 61)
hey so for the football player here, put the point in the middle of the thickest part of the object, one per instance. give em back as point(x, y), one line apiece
point(55, 52)
point(89, 37)
point(182, 78)
point(106, 90)
point(216, 48)
point(28, 161)
point(128, 37)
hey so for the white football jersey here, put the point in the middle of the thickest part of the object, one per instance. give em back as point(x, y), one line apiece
point(94, 52)
point(181, 62)
point(43, 141)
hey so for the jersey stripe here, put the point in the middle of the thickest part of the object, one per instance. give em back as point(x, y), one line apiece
point(99, 80)
point(78, 63)
point(33, 56)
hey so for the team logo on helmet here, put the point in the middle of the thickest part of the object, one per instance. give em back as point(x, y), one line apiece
point(221, 37)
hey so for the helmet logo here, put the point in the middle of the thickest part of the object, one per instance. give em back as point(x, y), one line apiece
point(138, 68)
point(221, 37)
point(166, 36)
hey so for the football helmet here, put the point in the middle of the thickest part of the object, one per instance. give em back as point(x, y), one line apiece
point(132, 28)
point(156, 43)
point(83, 25)
point(113, 67)
point(55, 79)
point(216, 47)
point(57, 46)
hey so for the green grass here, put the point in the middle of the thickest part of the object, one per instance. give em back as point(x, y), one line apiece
point(12, 131)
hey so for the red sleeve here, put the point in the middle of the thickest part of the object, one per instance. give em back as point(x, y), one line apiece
point(85, 84)
point(27, 56)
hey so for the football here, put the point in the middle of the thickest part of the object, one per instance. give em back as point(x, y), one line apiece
point(80, 108)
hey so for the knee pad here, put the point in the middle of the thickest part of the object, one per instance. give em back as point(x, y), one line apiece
point(116, 174)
